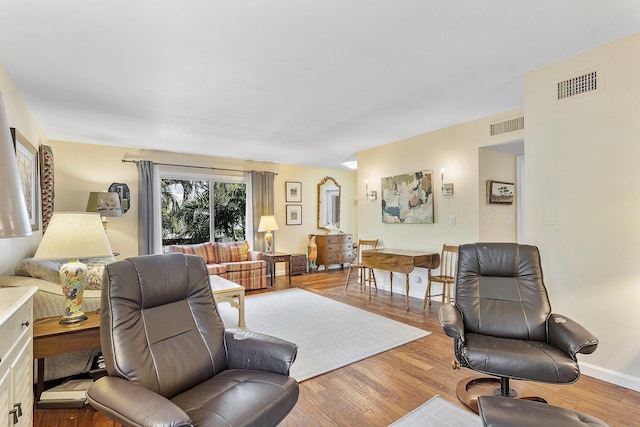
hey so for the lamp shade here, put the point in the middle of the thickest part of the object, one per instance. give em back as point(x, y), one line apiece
point(105, 203)
point(74, 235)
point(267, 223)
point(14, 218)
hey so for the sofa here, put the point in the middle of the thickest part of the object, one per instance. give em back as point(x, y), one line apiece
point(233, 261)
point(48, 301)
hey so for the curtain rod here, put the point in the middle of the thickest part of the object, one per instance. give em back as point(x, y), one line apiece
point(213, 168)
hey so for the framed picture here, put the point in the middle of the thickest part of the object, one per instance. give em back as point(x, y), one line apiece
point(407, 198)
point(294, 214)
point(294, 192)
point(500, 192)
point(27, 157)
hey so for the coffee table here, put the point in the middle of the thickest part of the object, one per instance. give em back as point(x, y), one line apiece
point(227, 291)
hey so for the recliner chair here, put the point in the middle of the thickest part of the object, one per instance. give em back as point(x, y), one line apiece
point(169, 359)
point(502, 323)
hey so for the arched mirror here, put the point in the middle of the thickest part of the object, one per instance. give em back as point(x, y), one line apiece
point(328, 203)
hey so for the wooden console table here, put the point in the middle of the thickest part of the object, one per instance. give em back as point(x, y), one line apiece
point(50, 338)
point(400, 261)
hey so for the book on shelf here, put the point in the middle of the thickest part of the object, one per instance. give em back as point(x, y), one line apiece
point(69, 390)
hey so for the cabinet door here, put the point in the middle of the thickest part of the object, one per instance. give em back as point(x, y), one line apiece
point(5, 381)
point(21, 385)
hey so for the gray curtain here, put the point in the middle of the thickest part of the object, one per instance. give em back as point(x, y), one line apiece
point(262, 204)
point(149, 231)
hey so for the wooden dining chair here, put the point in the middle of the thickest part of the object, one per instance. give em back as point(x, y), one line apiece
point(447, 275)
point(365, 275)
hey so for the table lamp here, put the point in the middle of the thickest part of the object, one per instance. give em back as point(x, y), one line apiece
point(14, 218)
point(105, 203)
point(71, 236)
point(268, 223)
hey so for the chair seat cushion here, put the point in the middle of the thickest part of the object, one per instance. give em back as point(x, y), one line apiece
point(239, 397)
point(519, 359)
point(508, 412)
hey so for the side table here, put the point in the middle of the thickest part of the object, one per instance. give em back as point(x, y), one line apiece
point(227, 291)
point(50, 338)
point(275, 257)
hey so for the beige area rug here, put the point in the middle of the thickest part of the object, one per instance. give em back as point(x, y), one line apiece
point(438, 412)
point(329, 334)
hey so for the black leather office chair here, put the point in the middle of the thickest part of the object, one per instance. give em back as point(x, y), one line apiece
point(169, 359)
point(502, 323)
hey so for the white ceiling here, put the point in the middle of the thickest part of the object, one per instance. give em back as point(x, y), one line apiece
point(307, 82)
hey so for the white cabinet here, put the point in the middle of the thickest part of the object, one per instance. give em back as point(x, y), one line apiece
point(16, 356)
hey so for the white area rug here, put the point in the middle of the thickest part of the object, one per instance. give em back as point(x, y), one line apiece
point(438, 412)
point(329, 334)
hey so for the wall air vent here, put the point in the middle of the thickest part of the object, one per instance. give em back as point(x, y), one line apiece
point(506, 126)
point(578, 85)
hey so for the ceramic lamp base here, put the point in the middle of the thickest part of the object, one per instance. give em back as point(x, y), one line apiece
point(73, 279)
point(268, 239)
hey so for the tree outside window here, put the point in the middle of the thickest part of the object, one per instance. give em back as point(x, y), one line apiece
point(189, 213)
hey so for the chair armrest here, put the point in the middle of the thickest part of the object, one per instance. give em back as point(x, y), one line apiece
point(569, 336)
point(255, 351)
point(254, 255)
point(133, 405)
point(451, 321)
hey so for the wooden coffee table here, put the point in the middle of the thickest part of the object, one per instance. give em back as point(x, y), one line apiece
point(227, 291)
point(51, 338)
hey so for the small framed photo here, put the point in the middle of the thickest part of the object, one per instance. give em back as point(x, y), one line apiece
point(294, 192)
point(294, 214)
point(27, 157)
point(500, 192)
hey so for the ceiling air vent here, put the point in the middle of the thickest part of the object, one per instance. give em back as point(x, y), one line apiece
point(578, 85)
point(507, 126)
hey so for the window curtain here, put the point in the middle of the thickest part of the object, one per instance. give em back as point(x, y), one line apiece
point(261, 196)
point(149, 215)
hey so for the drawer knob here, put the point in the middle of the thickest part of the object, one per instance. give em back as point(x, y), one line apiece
point(26, 324)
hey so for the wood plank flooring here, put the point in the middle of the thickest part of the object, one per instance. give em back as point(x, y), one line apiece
point(379, 390)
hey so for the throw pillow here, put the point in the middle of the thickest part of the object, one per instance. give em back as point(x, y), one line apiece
point(40, 269)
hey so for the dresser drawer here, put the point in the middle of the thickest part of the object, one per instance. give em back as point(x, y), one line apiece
point(19, 324)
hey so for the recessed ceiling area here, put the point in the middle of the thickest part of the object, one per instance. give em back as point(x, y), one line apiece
point(307, 83)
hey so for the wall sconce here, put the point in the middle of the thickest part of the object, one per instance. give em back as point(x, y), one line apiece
point(447, 189)
point(371, 195)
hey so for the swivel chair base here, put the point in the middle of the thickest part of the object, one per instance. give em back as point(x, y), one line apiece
point(470, 388)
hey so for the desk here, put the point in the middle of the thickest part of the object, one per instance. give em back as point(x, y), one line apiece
point(400, 261)
point(50, 338)
point(227, 291)
point(275, 257)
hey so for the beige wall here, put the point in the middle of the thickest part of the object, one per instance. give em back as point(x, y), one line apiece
point(497, 222)
point(83, 168)
point(293, 238)
point(582, 165)
point(20, 117)
point(102, 165)
point(456, 149)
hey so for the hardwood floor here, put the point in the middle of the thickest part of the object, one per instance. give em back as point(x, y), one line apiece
point(379, 390)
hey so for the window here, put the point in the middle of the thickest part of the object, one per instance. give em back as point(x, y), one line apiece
point(192, 213)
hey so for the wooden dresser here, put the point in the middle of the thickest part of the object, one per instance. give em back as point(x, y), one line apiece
point(334, 249)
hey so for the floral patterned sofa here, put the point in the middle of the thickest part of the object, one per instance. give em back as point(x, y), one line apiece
point(233, 261)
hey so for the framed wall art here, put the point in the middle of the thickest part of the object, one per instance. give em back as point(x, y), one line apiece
point(47, 188)
point(294, 192)
point(294, 214)
point(27, 157)
point(408, 198)
point(499, 192)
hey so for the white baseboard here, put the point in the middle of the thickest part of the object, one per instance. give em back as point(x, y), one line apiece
point(613, 377)
point(604, 374)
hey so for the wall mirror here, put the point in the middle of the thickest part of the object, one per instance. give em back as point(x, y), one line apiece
point(328, 203)
point(123, 193)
